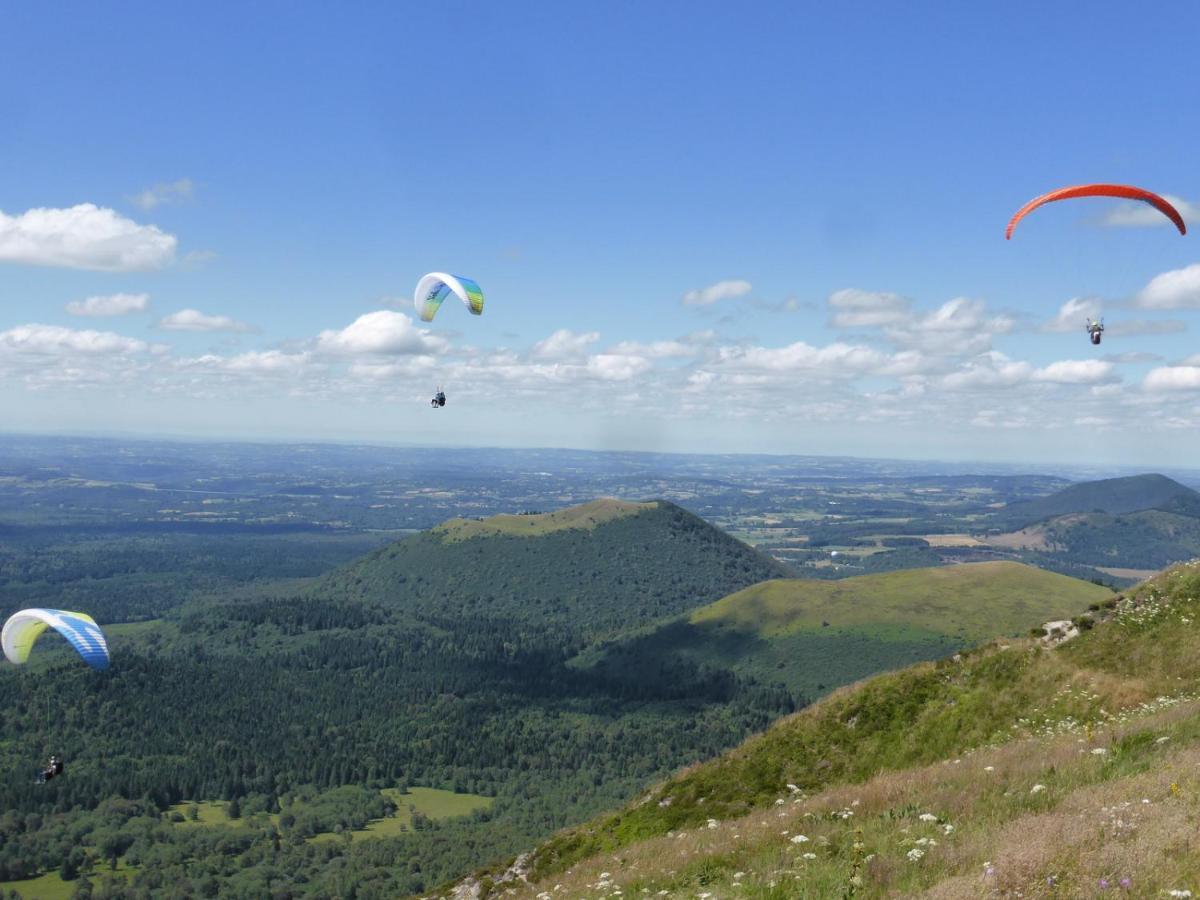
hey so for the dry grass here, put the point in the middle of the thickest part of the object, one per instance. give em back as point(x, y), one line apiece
point(1088, 823)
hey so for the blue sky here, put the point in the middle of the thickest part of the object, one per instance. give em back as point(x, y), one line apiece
point(269, 182)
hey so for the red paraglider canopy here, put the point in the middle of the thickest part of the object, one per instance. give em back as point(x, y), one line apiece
point(1124, 191)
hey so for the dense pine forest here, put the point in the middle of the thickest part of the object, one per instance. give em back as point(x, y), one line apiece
point(435, 661)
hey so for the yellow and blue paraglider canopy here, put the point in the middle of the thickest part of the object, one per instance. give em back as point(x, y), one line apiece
point(435, 287)
point(81, 631)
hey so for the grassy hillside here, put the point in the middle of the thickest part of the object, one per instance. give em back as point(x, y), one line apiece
point(1111, 495)
point(586, 516)
point(814, 636)
point(1013, 768)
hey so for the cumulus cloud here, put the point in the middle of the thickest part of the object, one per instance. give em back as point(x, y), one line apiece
point(1136, 327)
point(988, 370)
point(1132, 356)
point(264, 362)
point(855, 308)
point(110, 305)
point(1073, 315)
point(83, 237)
point(722, 290)
point(194, 320)
point(959, 327)
point(655, 349)
point(1173, 378)
point(617, 366)
point(54, 339)
point(565, 344)
point(164, 192)
point(1075, 371)
point(1136, 214)
point(382, 332)
point(835, 360)
point(1177, 289)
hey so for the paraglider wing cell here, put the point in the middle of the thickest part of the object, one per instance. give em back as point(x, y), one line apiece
point(81, 631)
point(1122, 191)
point(435, 287)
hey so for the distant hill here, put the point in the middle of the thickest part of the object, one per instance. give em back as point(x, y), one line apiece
point(1111, 495)
point(590, 570)
point(1014, 769)
point(814, 636)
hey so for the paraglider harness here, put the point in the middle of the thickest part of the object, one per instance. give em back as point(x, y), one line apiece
point(53, 769)
point(439, 400)
point(1095, 330)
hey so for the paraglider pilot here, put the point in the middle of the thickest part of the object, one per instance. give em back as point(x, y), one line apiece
point(1095, 330)
point(439, 399)
point(53, 769)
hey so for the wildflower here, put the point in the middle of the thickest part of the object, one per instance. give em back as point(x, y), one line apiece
point(810, 856)
point(947, 828)
point(1099, 751)
point(927, 817)
point(1126, 883)
point(916, 853)
point(989, 768)
point(779, 802)
point(1037, 789)
point(1104, 884)
point(799, 839)
point(1179, 893)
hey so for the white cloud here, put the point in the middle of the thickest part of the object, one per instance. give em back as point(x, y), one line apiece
point(1173, 378)
point(1177, 289)
point(164, 192)
point(722, 290)
point(963, 314)
point(1132, 356)
point(655, 349)
point(83, 237)
point(1075, 371)
point(836, 360)
point(381, 332)
point(959, 327)
point(194, 320)
point(264, 362)
point(1135, 327)
point(54, 339)
point(988, 370)
point(1136, 214)
point(110, 305)
point(867, 309)
point(617, 366)
point(1073, 315)
point(565, 344)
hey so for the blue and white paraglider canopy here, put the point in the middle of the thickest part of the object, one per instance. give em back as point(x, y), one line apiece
point(81, 631)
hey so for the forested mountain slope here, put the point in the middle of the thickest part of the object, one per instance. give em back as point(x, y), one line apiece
point(583, 572)
point(1111, 495)
point(439, 660)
